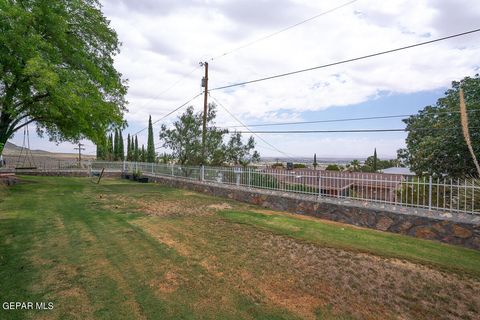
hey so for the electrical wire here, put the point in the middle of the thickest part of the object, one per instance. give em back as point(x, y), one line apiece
point(282, 30)
point(346, 61)
point(166, 115)
point(350, 131)
point(243, 125)
point(341, 120)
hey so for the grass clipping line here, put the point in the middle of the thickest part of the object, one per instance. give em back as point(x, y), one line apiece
point(466, 134)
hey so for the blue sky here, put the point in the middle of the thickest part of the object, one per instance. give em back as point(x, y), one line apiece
point(163, 42)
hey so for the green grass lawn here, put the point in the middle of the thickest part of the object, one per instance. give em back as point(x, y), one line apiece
point(121, 250)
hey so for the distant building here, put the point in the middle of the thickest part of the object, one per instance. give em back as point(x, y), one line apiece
point(398, 170)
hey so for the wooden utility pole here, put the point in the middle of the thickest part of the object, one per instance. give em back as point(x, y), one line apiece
point(80, 148)
point(205, 109)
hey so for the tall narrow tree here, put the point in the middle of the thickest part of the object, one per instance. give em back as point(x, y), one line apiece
point(110, 148)
point(150, 143)
point(121, 145)
point(375, 160)
point(143, 154)
point(116, 146)
point(136, 153)
point(315, 164)
point(128, 148)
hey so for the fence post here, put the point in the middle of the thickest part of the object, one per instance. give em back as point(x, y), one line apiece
point(249, 177)
point(124, 167)
point(202, 173)
point(430, 193)
point(152, 168)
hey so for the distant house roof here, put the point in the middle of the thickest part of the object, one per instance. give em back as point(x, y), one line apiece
point(399, 170)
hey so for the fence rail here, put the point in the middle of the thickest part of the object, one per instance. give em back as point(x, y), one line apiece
point(409, 191)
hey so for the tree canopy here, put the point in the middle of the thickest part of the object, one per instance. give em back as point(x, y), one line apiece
point(435, 143)
point(56, 69)
point(184, 140)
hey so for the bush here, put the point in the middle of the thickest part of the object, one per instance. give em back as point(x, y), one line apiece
point(136, 174)
point(299, 166)
point(333, 167)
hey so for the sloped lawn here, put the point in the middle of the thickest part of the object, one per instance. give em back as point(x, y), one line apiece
point(121, 250)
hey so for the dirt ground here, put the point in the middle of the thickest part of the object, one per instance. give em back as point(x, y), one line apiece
point(307, 279)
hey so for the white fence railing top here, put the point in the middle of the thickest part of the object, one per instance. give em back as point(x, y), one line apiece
point(399, 190)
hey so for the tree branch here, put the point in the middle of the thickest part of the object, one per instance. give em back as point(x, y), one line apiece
point(12, 129)
point(35, 98)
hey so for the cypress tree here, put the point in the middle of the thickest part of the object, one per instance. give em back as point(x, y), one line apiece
point(110, 148)
point(128, 148)
point(315, 164)
point(132, 150)
point(150, 143)
point(116, 147)
point(143, 154)
point(135, 150)
point(121, 150)
point(375, 160)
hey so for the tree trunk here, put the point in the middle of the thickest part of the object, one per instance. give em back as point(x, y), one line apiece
point(5, 122)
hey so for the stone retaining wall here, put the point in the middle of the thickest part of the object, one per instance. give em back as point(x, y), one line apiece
point(458, 229)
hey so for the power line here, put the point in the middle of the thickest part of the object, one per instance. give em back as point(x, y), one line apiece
point(346, 61)
point(166, 115)
point(282, 30)
point(243, 125)
point(180, 80)
point(342, 119)
point(350, 131)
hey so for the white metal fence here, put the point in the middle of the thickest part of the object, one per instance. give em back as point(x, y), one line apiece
point(423, 192)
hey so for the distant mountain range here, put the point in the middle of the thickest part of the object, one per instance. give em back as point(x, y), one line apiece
point(12, 150)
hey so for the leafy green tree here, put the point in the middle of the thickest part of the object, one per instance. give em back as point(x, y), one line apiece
point(102, 149)
point(239, 153)
point(56, 70)
point(184, 140)
point(150, 143)
point(165, 158)
point(435, 143)
point(355, 165)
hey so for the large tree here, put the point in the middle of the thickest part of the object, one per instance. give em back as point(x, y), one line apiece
point(56, 70)
point(184, 140)
point(435, 143)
